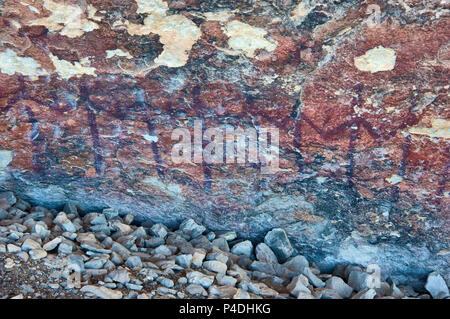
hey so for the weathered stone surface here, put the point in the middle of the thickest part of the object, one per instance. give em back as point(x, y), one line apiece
point(91, 91)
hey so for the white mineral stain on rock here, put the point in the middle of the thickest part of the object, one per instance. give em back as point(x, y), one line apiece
point(118, 52)
point(5, 159)
point(394, 179)
point(177, 33)
point(246, 38)
point(376, 60)
point(220, 16)
point(301, 11)
point(70, 20)
point(173, 190)
point(439, 128)
point(11, 63)
point(66, 69)
point(150, 138)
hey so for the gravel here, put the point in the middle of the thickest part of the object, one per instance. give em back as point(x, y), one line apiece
point(71, 254)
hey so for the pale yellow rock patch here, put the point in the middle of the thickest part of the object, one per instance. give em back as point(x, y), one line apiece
point(118, 52)
point(69, 20)
point(301, 11)
point(439, 128)
point(177, 33)
point(246, 38)
point(11, 63)
point(5, 158)
point(376, 60)
point(66, 69)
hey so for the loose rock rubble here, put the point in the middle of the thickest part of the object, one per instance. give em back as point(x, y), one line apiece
point(71, 254)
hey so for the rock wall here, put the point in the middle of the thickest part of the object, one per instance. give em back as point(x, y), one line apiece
point(91, 90)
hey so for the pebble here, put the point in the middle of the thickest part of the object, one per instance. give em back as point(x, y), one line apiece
point(265, 254)
point(338, 284)
point(120, 276)
point(436, 286)
point(52, 244)
point(37, 254)
point(155, 257)
point(198, 278)
point(30, 244)
point(184, 260)
point(243, 248)
point(102, 292)
point(278, 241)
point(196, 290)
point(134, 262)
point(215, 266)
point(190, 228)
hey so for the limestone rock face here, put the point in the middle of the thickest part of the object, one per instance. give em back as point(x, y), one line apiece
point(91, 91)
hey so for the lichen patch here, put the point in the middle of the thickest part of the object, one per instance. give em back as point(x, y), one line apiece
point(5, 158)
point(66, 69)
point(69, 20)
point(246, 38)
point(118, 53)
point(439, 128)
point(177, 33)
point(376, 60)
point(11, 63)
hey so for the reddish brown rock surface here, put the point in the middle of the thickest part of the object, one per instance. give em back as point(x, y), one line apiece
point(364, 147)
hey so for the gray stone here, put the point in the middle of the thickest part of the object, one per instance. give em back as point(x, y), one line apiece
point(339, 285)
point(111, 213)
point(96, 263)
point(198, 278)
point(222, 244)
point(7, 199)
point(184, 260)
point(226, 280)
point(241, 294)
point(296, 264)
point(436, 286)
point(190, 228)
point(196, 290)
point(159, 230)
point(227, 235)
point(3, 214)
point(197, 258)
point(40, 229)
point(30, 244)
point(360, 280)
point(134, 262)
point(134, 286)
point(265, 254)
point(121, 276)
point(66, 247)
point(102, 292)
point(95, 219)
point(75, 263)
point(154, 242)
point(166, 282)
point(215, 266)
point(263, 267)
point(366, 293)
point(69, 227)
point(37, 254)
point(278, 241)
point(162, 250)
point(95, 248)
point(13, 248)
point(243, 248)
point(313, 279)
point(298, 284)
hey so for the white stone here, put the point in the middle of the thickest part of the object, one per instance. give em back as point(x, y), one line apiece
point(376, 60)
